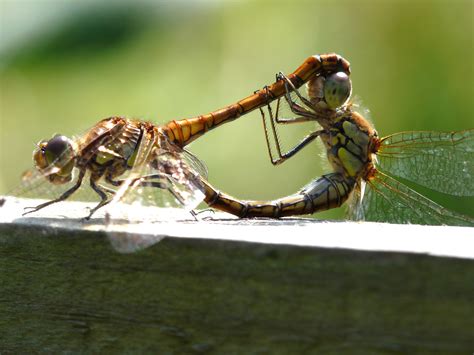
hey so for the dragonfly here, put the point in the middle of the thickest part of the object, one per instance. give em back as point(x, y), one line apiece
point(370, 173)
point(128, 161)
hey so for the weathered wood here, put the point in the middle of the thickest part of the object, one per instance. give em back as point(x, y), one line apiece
point(67, 290)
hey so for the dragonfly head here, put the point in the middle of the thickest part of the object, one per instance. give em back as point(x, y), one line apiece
point(337, 89)
point(331, 92)
point(55, 159)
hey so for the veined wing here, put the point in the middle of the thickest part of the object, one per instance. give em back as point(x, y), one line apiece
point(163, 175)
point(442, 161)
point(35, 187)
point(192, 161)
point(388, 200)
point(184, 170)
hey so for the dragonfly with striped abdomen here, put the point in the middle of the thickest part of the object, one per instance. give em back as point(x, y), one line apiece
point(130, 160)
point(366, 168)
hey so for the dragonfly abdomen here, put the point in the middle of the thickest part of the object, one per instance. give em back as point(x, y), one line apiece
point(185, 131)
point(326, 192)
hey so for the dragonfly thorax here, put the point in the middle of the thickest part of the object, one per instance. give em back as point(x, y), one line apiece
point(350, 144)
point(123, 147)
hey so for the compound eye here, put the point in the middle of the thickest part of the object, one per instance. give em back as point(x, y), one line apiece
point(57, 157)
point(337, 89)
point(56, 147)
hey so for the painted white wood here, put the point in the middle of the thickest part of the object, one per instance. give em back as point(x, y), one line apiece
point(149, 225)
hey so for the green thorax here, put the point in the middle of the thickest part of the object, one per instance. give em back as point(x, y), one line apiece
point(349, 143)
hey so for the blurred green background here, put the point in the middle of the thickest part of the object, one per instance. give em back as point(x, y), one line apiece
point(65, 65)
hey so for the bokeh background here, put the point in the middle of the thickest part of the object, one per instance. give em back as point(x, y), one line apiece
point(65, 65)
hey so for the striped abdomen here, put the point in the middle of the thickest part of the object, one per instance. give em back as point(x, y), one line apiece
point(326, 192)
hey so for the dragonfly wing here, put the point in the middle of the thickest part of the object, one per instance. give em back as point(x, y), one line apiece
point(162, 176)
point(388, 200)
point(193, 162)
point(184, 170)
point(35, 186)
point(162, 167)
point(442, 161)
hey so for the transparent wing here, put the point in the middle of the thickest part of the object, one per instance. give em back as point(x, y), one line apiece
point(193, 162)
point(387, 200)
point(163, 175)
point(34, 184)
point(442, 161)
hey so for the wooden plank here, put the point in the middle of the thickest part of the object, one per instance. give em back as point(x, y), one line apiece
point(65, 289)
point(147, 226)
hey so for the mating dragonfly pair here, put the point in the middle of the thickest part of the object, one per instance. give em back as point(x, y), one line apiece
point(130, 161)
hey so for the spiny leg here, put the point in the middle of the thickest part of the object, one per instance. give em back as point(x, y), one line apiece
point(303, 114)
point(274, 132)
point(291, 88)
point(282, 156)
point(305, 141)
point(63, 197)
point(267, 138)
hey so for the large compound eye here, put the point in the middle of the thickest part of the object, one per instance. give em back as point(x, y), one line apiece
point(337, 89)
point(57, 148)
point(57, 154)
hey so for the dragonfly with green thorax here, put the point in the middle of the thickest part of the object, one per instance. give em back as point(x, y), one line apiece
point(372, 172)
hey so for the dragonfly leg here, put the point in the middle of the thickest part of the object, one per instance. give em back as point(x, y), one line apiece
point(205, 210)
point(305, 141)
point(194, 214)
point(290, 87)
point(102, 192)
point(303, 114)
point(282, 156)
point(63, 197)
point(309, 138)
point(113, 182)
point(106, 189)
